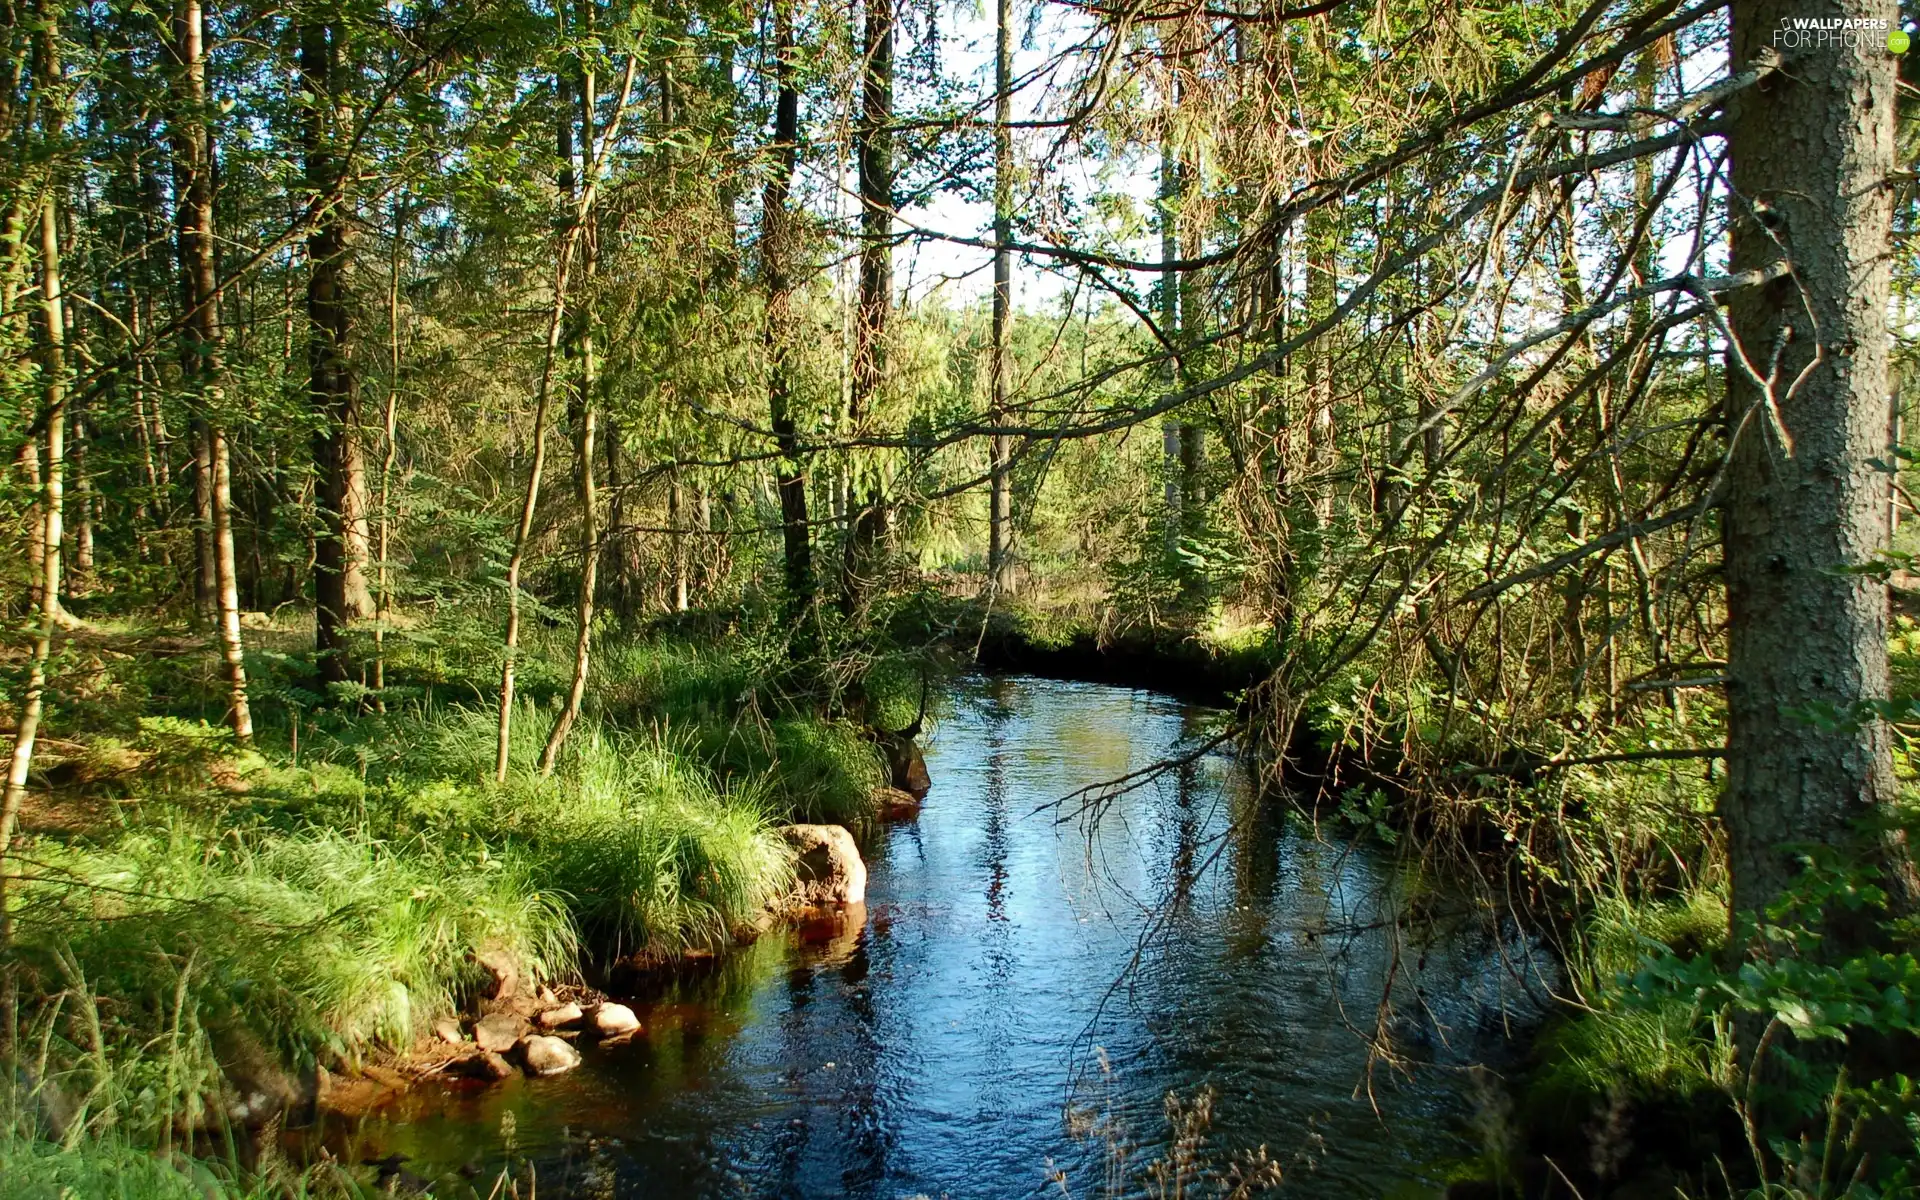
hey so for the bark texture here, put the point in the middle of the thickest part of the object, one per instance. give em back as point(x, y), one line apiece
point(1000, 551)
point(866, 516)
point(1811, 147)
point(777, 251)
point(200, 359)
point(340, 587)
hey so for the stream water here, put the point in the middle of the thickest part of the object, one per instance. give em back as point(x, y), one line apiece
point(1022, 993)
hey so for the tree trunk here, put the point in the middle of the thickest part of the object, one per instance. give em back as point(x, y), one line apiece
point(1173, 494)
point(206, 586)
point(676, 521)
point(1321, 294)
point(83, 505)
point(1000, 549)
point(54, 390)
point(200, 360)
point(1812, 148)
point(35, 476)
point(389, 450)
point(777, 249)
point(232, 652)
point(530, 499)
point(339, 575)
point(585, 395)
point(866, 500)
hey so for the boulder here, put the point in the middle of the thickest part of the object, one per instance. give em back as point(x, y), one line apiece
point(559, 1018)
point(498, 1032)
point(827, 865)
point(490, 1066)
point(547, 1055)
point(906, 766)
point(896, 805)
point(613, 1020)
point(448, 1030)
point(502, 982)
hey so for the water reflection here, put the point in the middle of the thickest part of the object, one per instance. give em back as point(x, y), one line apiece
point(933, 1043)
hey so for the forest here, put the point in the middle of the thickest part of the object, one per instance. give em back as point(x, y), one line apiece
point(882, 598)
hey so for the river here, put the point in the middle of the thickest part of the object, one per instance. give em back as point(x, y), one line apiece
point(1025, 988)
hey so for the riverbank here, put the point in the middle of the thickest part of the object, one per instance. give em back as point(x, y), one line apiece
point(944, 1040)
point(210, 940)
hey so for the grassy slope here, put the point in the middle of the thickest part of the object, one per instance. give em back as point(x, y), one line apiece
point(190, 906)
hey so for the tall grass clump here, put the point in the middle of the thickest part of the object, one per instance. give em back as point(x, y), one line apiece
point(1627, 1045)
point(318, 942)
point(647, 850)
point(111, 1168)
point(653, 856)
point(814, 769)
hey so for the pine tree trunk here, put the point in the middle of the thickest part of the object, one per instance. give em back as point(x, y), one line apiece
point(777, 251)
point(1812, 149)
point(34, 474)
point(1173, 495)
point(200, 358)
point(205, 585)
point(676, 518)
point(866, 500)
point(1321, 295)
point(339, 576)
point(389, 450)
point(1000, 548)
point(83, 505)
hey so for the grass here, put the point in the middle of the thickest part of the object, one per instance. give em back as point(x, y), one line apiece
point(195, 923)
point(1624, 1046)
point(317, 941)
point(816, 770)
point(114, 1169)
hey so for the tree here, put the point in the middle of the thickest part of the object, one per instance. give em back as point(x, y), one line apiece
point(49, 81)
point(1000, 551)
point(1805, 506)
point(584, 397)
point(200, 360)
point(779, 236)
point(341, 595)
point(867, 511)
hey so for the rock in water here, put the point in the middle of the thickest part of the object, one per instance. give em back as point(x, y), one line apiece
point(896, 805)
point(488, 1065)
point(559, 1018)
point(828, 866)
point(907, 767)
point(547, 1055)
point(613, 1020)
point(498, 1032)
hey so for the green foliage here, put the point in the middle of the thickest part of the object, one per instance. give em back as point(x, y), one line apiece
point(648, 851)
point(817, 770)
point(1620, 1044)
point(318, 941)
point(1821, 1119)
point(109, 1168)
